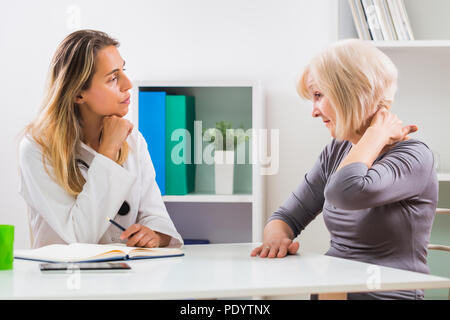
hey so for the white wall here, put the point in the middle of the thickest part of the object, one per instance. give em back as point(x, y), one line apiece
point(267, 40)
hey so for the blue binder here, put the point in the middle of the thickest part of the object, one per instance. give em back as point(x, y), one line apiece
point(152, 125)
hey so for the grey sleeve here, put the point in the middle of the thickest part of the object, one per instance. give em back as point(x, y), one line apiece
point(399, 175)
point(305, 202)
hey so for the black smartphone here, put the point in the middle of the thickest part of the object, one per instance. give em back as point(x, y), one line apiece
point(84, 267)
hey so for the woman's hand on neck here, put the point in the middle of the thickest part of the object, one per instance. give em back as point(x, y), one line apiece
point(384, 131)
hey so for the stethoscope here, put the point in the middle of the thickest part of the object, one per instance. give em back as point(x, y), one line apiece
point(125, 208)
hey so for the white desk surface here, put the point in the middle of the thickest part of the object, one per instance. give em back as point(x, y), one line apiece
point(212, 271)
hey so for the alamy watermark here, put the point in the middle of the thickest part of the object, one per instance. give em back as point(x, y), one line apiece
point(374, 280)
point(263, 147)
point(73, 281)
point(73, 18)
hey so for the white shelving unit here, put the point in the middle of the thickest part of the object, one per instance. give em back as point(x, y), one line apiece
point(202, 214)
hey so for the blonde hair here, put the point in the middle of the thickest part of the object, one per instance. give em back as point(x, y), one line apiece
point(357, 79)
point(58, 126)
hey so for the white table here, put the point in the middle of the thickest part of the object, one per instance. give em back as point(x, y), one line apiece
point(213, 271)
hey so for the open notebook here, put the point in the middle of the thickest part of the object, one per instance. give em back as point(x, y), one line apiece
point(86, 252)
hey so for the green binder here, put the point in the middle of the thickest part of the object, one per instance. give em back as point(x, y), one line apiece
point(180, 167)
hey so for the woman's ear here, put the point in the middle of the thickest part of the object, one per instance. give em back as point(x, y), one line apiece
point(384, 103)
point(79, 98)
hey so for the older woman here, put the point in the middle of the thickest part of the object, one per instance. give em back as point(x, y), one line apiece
point(376, 187)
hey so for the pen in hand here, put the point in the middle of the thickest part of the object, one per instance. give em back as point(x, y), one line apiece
point(139, 235)
point(115, 223)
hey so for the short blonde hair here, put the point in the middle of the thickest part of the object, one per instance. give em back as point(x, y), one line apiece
point(356, 77)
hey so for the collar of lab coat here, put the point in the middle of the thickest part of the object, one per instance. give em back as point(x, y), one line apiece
point(85, 153)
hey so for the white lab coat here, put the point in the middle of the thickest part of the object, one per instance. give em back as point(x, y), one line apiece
point(57, 217)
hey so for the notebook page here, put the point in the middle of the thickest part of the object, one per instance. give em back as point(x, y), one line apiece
point(137, 251)
point(154, 252)
point(89, 251)
point(71, 252)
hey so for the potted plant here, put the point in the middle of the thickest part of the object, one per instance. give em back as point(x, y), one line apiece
point(225, 140)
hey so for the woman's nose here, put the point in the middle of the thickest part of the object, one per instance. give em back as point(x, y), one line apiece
point(127, 85)
point(315, 112)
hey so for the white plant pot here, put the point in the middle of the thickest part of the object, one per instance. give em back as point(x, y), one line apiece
point(224, 171)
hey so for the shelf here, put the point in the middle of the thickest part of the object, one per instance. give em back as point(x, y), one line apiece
point(427, 18)
point(443, 210)
point(444, 177)
point(218, 198)
point(412, 44)
point(202, 214)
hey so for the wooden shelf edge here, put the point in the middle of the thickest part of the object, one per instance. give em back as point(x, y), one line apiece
point(438, 247)
point(443, 210)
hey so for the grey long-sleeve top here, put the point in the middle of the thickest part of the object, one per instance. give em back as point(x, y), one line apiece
point(382, 215)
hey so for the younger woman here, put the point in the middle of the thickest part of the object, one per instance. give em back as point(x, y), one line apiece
point(81, 162)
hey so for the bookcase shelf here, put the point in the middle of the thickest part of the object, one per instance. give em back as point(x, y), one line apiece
point(213, 198)
point(202, 214)
point(428, 19)
point(413, 44)
point(443, 211)
point(444, 177)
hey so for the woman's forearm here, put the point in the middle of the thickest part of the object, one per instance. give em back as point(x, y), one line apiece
point(367, 149)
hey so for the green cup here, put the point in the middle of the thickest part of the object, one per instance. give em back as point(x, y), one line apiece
point(6, 247)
